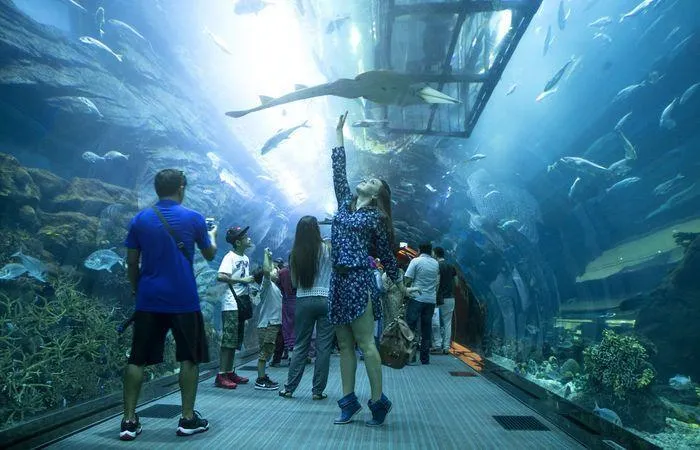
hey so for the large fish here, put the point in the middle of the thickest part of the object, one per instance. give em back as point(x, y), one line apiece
point(281, 135)
point(689, 93)
point(125, 26)
point(625, 93)
point(622, 121)
point(680, 198)
point(622, 184)
point(379, 86)
point(551, 85)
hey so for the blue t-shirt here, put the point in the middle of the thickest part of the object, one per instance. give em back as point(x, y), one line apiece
point(166, 281)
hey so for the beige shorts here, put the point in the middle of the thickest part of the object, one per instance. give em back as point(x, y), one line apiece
point(267, 337)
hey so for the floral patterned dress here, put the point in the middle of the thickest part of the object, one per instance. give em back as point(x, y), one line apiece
point(353, 232)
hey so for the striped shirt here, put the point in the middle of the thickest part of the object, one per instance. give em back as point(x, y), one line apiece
point(323, 277)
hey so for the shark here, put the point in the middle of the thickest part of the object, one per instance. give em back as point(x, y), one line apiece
point(383, 87)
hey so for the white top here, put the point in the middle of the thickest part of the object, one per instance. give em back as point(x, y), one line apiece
point(270, 304)
point(322, 280)
point(425, 273)
point(237, 266)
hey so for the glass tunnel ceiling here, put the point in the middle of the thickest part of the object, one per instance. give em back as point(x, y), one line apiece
point(459, 48)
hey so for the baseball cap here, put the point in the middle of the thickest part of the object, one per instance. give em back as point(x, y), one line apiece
point(235, 233)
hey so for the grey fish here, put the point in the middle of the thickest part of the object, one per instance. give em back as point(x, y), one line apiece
point(689, 93)
point(115, 155)
point(383, 87)
point(103, 260)
point(666, 121)
point(621, 122)
point(76, 5)
point(547, 41)
point(680, 383)
point(678, 199)
point(100, 20)
point(637, 10)
point(336, 24)
point(281, 135)
point(620, 168)
point(601, 23)
point(563, 15)
point(626, 92)
point(602, 36)
point(249, 6)
point(584, 166)
point(622, 184)
point(126, 26)
point(672, 34)
point(95, 43)
point(630, 151)
point(512, 88)
point(78, 105)
point(366, 123)
point(35, 268)
point(667, 186)
point(92, 157)
point(555, 79)
point(476, 157)
point(607, 414)
point(12, 271)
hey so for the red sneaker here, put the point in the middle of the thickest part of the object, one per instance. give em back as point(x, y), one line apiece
point(223, 381)
point(237, 379)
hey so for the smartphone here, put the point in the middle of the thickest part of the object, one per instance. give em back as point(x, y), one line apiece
point(210, 223)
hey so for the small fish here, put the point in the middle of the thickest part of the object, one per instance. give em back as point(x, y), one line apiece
point(689, 93)
point(75, 5)
point(95, 43)
point(218, 41)
point(12, 271)
point(563, 15)
point(555, 79)
point(476, 157)
point(92, 157)
point(127, 27)
point(639, 9)
point(666, 121)
point(336, 24)
point(103, 260)
point(666, 187)
point(430, 188)
point(680, 382)
point(626, 92)
point(603, 37)
point(547, 41)
point(100, 20)
point(491, 194)
point(607, 414)
point(672, 34)
point(601, 23)
point(115, 155)
point(281, 136)
point(609, 315)
point(509, 223)
point(512, 88)
point(621, 122)
point(574, 187)
point(622, 184)
point(545, 94)
point(366, 123)
point(630, 151)
point(249, 6)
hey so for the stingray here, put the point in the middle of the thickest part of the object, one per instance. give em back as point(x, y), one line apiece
point(379, 86)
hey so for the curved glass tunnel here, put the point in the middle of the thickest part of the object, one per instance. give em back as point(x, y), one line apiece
point(551, 147)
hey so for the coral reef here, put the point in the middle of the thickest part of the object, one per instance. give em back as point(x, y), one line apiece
point(618, 365)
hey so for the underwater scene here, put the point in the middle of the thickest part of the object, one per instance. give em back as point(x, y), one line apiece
point(551, 147)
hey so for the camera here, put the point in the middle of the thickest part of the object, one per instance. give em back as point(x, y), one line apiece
point(210, 223)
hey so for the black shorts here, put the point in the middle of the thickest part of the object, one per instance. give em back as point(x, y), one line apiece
point(151, 328)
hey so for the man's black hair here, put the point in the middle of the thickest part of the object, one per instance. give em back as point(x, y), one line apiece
point(426, 248)
point(258, 275)
point(439, 252)
point(169, 181)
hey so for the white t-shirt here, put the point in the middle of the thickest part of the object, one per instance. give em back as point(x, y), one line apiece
point(236, 266)
point(425, 273)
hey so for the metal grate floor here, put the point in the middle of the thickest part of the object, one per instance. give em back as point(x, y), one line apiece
point(161, 411)
point(516, 423)
point(462, 374)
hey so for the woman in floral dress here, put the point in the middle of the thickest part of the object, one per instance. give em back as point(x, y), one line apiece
point(362, 223)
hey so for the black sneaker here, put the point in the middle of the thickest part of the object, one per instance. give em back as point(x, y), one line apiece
point(266, 384)
point(188, 427)
point(130, 429)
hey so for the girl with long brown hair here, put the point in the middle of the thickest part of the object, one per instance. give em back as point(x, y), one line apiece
point(361, 226)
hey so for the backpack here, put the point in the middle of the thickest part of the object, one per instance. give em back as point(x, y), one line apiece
point(397, 344)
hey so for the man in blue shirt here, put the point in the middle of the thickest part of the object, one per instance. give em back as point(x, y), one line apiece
point(162, 238)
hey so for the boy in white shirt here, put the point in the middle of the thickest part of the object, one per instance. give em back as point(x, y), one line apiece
point(235, 271)
point(270, 319)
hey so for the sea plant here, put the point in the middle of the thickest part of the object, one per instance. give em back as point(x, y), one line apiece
point(618, 365)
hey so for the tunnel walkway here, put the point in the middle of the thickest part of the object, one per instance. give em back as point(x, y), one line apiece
point(444, 405)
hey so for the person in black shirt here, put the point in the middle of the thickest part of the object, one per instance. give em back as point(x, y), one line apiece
point(442, 319)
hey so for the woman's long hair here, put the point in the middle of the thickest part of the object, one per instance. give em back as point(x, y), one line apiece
point(383, 204)
point(303, 261)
